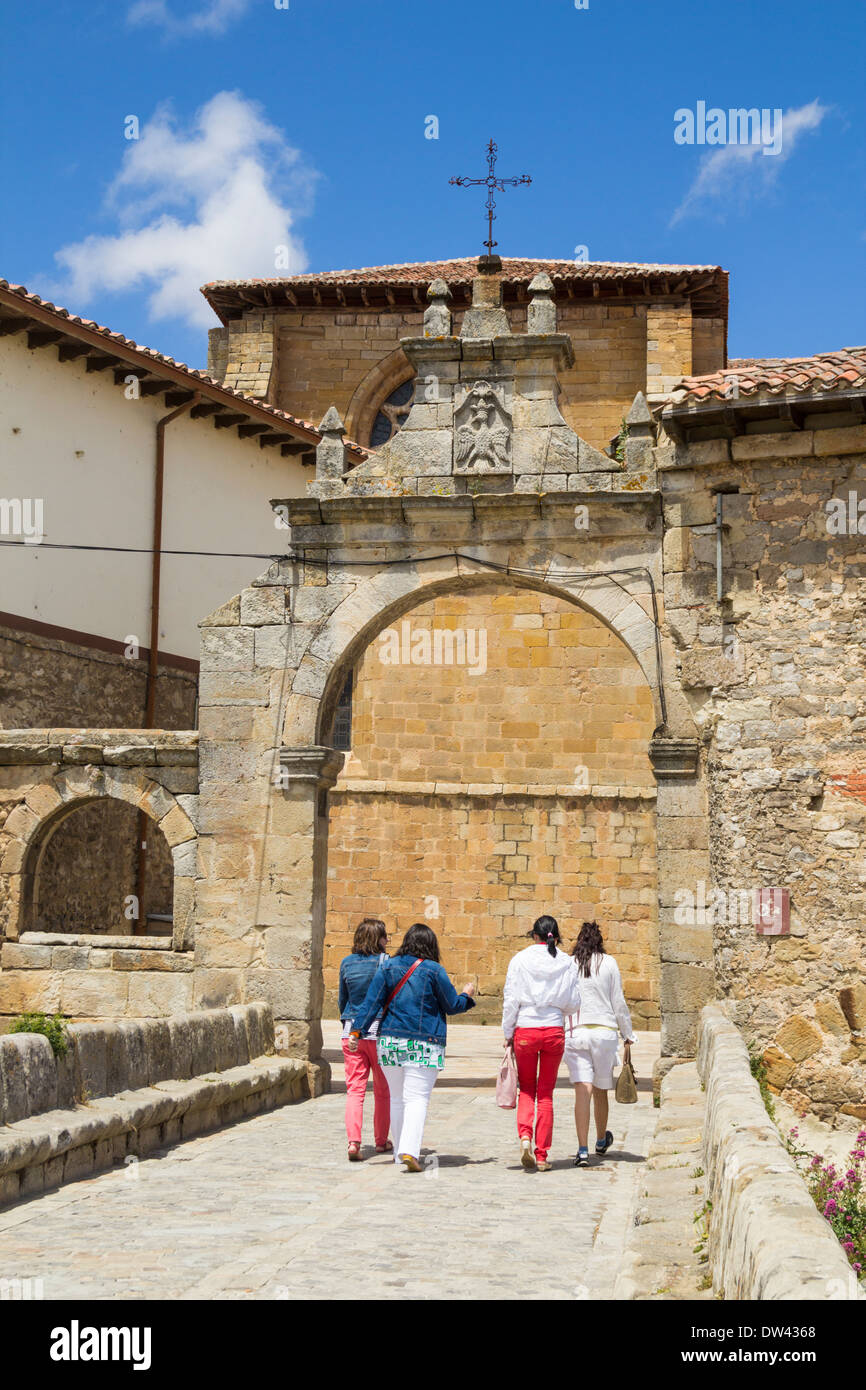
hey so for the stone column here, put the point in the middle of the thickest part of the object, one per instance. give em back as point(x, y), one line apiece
point(685, 947)
point(287, 971)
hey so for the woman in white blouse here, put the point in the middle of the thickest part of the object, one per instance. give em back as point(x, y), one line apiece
point(591, 1038)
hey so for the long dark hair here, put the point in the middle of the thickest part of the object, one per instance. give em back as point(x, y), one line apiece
point(589, 943)
point(420, 940)
point(547, 929)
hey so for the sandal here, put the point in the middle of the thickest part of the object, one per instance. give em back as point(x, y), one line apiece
point(411, 1164)
point(386, 1148)
point(354, 1151)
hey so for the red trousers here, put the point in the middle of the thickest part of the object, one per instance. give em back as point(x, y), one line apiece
point(538, 1053)
point(358, 1067)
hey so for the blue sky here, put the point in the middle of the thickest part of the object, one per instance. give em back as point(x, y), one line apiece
point(304, 128)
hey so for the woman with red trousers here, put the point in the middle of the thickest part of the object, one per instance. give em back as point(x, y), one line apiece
point(541, 986)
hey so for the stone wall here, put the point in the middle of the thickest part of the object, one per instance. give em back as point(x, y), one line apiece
point(89, 872)
point(46, 682)
point(776, 679)
point(767, 1239)
point(432, 818)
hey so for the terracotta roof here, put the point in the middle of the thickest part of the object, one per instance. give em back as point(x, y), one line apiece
point(706, 284)
point(826, 371)
point(37, 315)
point(464, 269)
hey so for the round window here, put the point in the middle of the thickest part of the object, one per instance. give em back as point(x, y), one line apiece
point(392, 414)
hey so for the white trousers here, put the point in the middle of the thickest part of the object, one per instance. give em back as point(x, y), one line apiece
point(410, 1089)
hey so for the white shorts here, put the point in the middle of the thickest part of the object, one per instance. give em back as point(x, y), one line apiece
point(590, 1055)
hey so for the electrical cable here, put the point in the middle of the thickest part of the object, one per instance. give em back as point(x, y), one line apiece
point(548, 575)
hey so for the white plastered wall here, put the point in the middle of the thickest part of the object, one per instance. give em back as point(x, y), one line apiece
point(71, 437)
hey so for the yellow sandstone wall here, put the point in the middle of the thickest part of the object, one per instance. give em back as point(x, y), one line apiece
point(467, 800)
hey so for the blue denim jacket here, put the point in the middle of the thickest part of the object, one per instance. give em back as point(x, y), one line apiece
point(419, 1010)
point(356, 973)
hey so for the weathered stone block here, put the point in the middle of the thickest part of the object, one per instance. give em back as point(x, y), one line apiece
point(799, 1038)
point(780, 1067)
point(853, 1001)
point(831, 1017)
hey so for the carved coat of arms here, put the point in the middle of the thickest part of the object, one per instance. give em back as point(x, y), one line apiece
point(482, 432)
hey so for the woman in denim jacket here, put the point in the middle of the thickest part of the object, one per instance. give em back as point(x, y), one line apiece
point(417, 996)
point(356, 973)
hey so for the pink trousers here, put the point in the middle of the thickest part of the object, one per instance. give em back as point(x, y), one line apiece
point(358, 1067)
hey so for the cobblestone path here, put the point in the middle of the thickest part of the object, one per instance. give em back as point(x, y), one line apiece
point(269, 1208)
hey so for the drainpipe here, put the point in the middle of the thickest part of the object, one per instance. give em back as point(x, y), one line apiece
point(153, 654)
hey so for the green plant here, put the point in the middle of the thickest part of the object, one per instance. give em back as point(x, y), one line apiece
point(697, 1172)
point(759, 1072)
point(657, 1100)
point(53, 1028)
point(619, 451)
point(706, 1282)
point(701, 1221)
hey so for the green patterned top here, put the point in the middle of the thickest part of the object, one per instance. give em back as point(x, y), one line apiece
point(406, 1052)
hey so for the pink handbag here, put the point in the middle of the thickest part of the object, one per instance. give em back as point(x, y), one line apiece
point(506, 1081)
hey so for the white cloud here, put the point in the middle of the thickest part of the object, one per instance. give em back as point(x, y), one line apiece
point(214, 17)
point(206, 203)
point(735, 172)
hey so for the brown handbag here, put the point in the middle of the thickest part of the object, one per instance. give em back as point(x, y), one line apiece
point(626, 1086)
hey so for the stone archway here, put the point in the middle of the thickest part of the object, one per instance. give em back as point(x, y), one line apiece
point(270, 690)
point(49, 796)
point(499, 769)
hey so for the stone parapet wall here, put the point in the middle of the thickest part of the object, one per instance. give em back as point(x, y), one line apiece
point(94, 977)
point(125, 1089)
point(767, 1239)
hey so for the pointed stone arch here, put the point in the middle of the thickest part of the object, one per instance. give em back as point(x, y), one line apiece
point(379, 601)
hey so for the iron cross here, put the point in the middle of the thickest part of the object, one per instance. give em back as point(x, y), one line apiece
point(493, 185)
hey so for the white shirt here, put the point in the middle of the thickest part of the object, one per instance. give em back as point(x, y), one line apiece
point(539, 989)
point(601, 998)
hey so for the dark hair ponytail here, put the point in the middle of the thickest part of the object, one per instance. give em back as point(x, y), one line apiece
point(589, 943)
point(547, 929)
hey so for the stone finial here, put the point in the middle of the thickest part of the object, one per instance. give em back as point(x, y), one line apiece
point(330, 451)
point(486, 318)
point(639, 418)
point(541, 315)
point(437, 315)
